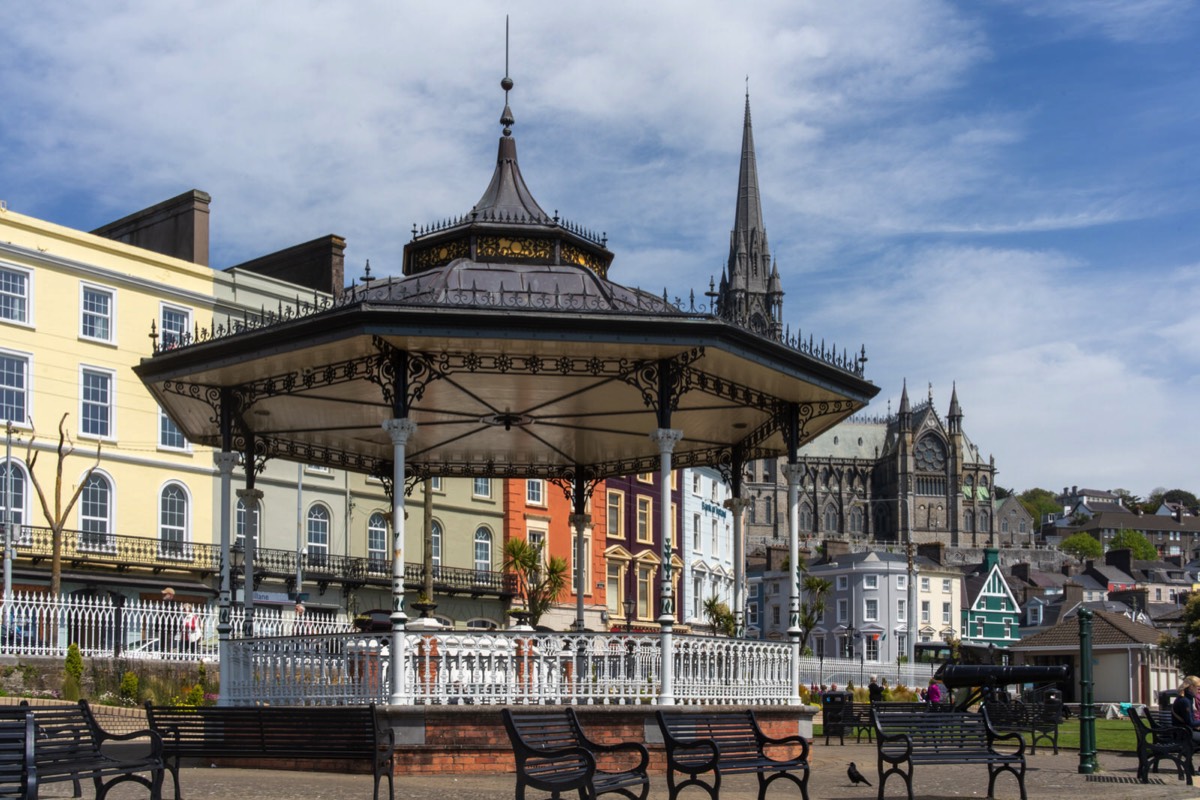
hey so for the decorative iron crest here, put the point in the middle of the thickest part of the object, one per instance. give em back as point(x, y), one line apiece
point(645, 377)
point(566, 482)
point(261, 452)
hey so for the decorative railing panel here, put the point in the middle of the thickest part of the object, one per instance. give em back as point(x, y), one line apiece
point(88, 548)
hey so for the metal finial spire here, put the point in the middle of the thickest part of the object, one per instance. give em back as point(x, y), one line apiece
point(506, 118)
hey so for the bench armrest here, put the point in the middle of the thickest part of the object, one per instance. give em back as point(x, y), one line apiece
point(533, 754)
point(783, 740)
point(156, 740)
point(884, 740)
point(994, 737)
point(674, 744)
point(632, 747)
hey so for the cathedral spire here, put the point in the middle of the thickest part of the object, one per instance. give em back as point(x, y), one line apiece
point(905, 408)
point(754, 298)
point(955, 417)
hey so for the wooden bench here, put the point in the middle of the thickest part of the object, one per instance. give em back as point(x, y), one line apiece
point(1159, 737)
point(18, 769)
point(554, 755)
point(1037, 720)
point(70, 746)
point(727, 744)
point(352, 733)
point(906, 738)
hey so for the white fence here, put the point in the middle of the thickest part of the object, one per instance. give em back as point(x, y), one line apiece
point(310, 660)
point(42, 625)
point(514, 667)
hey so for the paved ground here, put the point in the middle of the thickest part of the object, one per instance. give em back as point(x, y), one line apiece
point(1049, 777)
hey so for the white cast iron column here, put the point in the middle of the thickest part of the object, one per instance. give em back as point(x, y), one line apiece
point(666, 439)
point(581, 522)
point(225, 464)
point(249, 498)
point(736, 506)
point(400, 430)
point(794, 472)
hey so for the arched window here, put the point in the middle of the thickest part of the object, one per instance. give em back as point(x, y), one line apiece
point(377, 541)
point(482, 624)
point(856, 519)
point(318, 535)
point(437, 545)
point(173, 521)
point(483, 550)
point(968, 521)
point(984, 527)
point(831, 518)
point(95, 513)
point(239, 523)
point(14, 471)
point(806, 518)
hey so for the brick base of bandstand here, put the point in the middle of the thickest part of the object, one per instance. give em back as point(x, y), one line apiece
point(441, 740)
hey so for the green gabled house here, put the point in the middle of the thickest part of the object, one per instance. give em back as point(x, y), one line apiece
point(991, 614)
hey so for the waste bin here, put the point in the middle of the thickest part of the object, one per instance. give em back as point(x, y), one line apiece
point(833, 709)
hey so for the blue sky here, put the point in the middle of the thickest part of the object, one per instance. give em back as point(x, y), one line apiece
point(1002, 195)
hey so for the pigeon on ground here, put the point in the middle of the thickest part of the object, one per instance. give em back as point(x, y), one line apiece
point(855, 776)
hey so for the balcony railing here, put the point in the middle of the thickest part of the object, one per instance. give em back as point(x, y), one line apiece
point(84, 548)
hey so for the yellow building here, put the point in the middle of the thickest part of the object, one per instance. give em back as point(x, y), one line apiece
point(76, 313)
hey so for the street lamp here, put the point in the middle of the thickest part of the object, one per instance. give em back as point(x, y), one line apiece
point(629, 605)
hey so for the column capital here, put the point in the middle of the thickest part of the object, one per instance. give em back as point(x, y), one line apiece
point(400, 429)
point(252, 494)
point(736, 504)
point(793, 472)
point(666, 438)
point(580, 521)
point(225, 461)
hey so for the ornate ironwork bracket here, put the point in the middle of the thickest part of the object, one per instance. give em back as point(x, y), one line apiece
point(662, 391)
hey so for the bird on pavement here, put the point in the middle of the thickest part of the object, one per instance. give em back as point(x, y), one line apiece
point(855, 776)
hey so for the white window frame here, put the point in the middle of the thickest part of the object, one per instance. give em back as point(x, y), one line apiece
point(101, 538)
point(481, 483)
point(435, 532)
point(239, 523)
point(843, 609)
point(924, 584)
point(435, 483)
point(26, 391)
point(697, 537)
point(901, 582)
point(84, 314)
point(947, 610)
point(696, 483)
point(870, 581)
point(946, 585)
point(926, 612)
point(109, 406)
point(490, 540)
point(870, 609)
point(318, 550)
point(902, 610)
point(535, 492)
point(377, 554)
point(185, 530)
point(842, 582)
point(165, 340)
point(163, 421)
point(27, 297)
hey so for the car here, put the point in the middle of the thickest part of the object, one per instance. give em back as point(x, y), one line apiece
point(377, 620)
point(143, 648)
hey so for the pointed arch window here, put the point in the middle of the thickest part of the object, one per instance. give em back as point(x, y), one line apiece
point(831, 518)
point(806, 518)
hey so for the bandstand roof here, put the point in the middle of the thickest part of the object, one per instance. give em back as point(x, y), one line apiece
point(514, 355)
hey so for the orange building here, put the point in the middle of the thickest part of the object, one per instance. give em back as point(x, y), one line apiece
point(539, 511)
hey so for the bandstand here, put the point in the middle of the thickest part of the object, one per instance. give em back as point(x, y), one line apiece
point(503, 351)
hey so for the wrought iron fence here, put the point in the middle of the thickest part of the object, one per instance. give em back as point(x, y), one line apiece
point(107, 549)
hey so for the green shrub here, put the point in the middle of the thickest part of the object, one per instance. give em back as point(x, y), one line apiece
point(73, 666)
point(129, 688)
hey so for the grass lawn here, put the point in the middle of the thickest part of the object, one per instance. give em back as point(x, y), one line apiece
point(1111, 734)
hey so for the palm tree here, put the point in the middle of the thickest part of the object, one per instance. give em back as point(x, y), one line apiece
point(812, 608)
point(539, 583)
point(719, 616)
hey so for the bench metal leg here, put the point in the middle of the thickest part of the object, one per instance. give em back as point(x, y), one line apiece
point(994, 771)
point(764, 782)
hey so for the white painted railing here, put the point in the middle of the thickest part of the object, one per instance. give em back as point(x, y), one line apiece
point(513, 667)
point(33, 624)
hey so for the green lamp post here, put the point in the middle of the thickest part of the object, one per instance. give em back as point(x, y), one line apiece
point(1087, 711)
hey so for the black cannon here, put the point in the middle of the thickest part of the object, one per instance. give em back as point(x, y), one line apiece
point(988, 680)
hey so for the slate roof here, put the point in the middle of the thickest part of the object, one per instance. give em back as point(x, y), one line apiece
point(1109, 629)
